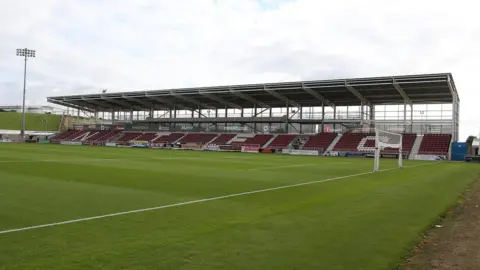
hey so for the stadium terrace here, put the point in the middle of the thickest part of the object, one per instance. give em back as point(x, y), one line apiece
point(328, 116)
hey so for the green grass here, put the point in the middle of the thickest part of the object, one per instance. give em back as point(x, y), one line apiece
point(33, 121)
point(363, 222)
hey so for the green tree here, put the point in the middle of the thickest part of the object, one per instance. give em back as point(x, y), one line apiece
point(469, 142)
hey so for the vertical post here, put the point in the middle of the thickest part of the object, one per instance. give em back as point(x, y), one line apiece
point(288, 116)
point(405, 117)
point(270, 124)
point(301, 117)
point(323, 118)
point(226, 115)
point(411, 118)
point(377, 152)
point(361, 112)
point(22, 132)
point(400, 154)
point(254, 116)
point(334, 118)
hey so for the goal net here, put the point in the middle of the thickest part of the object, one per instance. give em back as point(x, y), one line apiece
point(389, 143)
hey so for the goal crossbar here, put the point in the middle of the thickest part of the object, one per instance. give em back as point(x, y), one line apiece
point(386, 139)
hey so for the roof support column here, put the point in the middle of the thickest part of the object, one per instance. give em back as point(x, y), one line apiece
point(411, 118)
point(216, 116)
point(131, 115)
point(255, 115)
point(323, 117)
point(226, 115)
point(362, 112)
point(270, 114)
point(301, 117)
point(372, 116)
point(113, 116)
point(288, 116)
point(334, 118)
point(404, 117)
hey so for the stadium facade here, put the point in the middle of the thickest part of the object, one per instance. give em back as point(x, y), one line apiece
point(418, 104)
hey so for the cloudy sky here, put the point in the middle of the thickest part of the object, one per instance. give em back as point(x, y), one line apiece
point(85, 45)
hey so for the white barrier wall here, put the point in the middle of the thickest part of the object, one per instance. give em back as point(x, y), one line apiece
point(301, 152)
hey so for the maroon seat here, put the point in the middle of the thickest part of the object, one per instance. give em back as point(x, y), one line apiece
point(129, 136)
point(172, 137)
point(96, 134)
point(260, 140)
point(281, 141)
point(407, 143)
point(223, 138)
point(435, 144)
point(149, 136)
point(320, 141)
point(350, 142)
point(65, 134)
point(198, 138)
point(76, 135)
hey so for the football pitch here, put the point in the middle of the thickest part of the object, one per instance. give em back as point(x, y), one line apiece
point(64, 207)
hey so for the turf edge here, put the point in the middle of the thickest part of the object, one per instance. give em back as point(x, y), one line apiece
point(420, 241)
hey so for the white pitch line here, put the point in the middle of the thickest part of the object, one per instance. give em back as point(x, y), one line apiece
point(55, 160)
point(197, 201)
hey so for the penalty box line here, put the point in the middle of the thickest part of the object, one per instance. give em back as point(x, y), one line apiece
point(199, 201)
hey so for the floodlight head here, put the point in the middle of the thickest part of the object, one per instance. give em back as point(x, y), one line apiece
point(26, 52)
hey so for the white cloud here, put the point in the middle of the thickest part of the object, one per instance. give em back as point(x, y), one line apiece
point(85, 45)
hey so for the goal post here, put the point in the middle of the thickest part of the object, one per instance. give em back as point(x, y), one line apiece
point(387, 141)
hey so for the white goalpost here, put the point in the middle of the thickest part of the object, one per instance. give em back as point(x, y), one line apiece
point(387, 141)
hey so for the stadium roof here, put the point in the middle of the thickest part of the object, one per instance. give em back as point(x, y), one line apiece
point(416, 89)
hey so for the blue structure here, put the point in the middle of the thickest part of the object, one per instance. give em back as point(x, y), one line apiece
point(459, 150)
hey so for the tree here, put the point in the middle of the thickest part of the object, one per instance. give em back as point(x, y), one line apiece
point(469, 142)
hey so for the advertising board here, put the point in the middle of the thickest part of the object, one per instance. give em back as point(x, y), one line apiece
point(211, 147)
point(429, 157)
point(194, 146)
point(140, 144)
point(70, 143)
point(250, 149)
point(301, 152)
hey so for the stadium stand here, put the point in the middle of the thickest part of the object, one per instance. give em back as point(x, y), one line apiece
point(281, 141)
point(103, 135)
point(260, 140)
point(223, 139)
point(170, 138)
point(435, 144)
point(320, 141)
point(65, 135)
point(407, 144)
point(350, 141)
point(147, 136)
point(271, 122)
point(432, 144)
point(129, 136)
point(198, 138)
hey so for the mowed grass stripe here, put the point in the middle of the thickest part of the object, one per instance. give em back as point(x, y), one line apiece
point(190, 202)
point(373, 218)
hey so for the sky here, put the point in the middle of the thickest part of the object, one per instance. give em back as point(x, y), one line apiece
point(86, 45)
